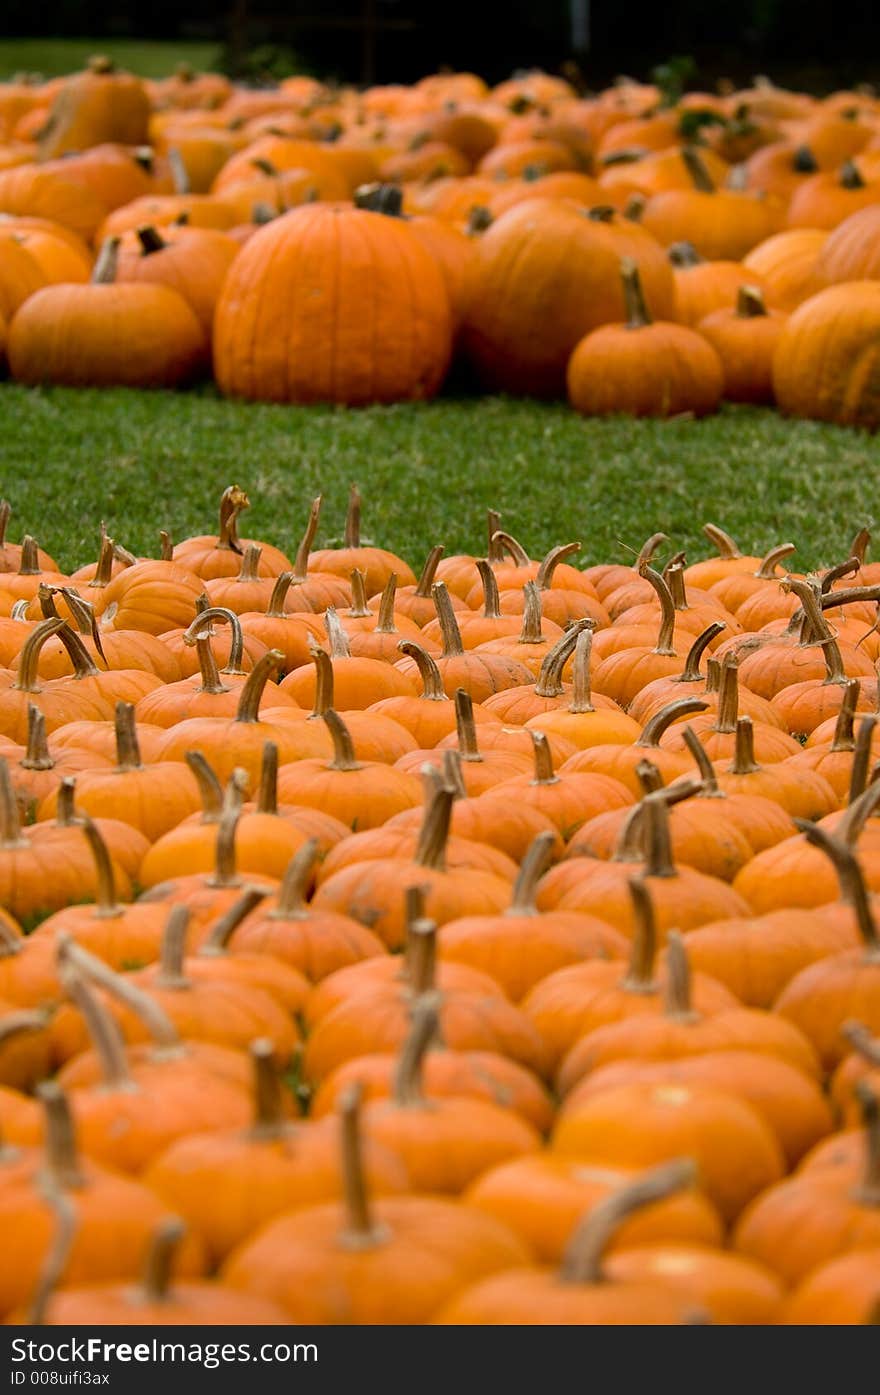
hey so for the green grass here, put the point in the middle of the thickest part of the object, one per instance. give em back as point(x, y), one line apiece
point(55, 57)
point(149, 460)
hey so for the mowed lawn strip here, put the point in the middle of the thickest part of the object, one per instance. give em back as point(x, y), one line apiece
point(142, 461)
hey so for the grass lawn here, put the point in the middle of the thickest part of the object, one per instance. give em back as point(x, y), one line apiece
point(428, 472)
point(56, 57)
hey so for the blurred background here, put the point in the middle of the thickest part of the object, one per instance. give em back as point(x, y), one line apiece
point(803, 43)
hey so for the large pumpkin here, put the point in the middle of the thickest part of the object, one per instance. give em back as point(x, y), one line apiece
point(827, 361)
point(333, 304)
point(545, 274)
point(97, 105)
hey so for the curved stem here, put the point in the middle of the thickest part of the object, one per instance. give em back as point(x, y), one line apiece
point(649, 777)
point(292, 904)
point(843, 728)
point(635, 306)
point(544, 578)
point(767, 569)
point(56, 1261)
point(160, 1261)
point(582, 1261)
point(849, 875)
point(653, 730)
point(507, 543)
point(233, 501)
point(707, 770)
point(723, 542)
point(301, 560)
point(465, 726)
point(173, 953)
point(103, 1029)
point(434, 832)
point(26, 680)
point(429, 674)
point(154, 1018)
point(847, 568)
point(252, 689)
point(429, 571)
point(343, 746)
point(107, 906)
point(691, 672)
point(324, 680)
point(452, 776)
point(203, 625)
point(209, 786)
point(677, 994)
point(537, 860)
point(250, 563)
point(667, 610)
point(210, 674)
point(221, 930)
point(275, 609)
point(62, 1160)
point(700, 176)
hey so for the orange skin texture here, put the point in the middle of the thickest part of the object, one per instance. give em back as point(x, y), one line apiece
point(539, 1297)
point(20, 276)
point(708, 286)
point(116, 1216)
point(730, 1289)
point(794, 874)
point(208, 1304)
point(843, 1292)
point(745, 346)
point(228, 743)
point(153, 798)
point(570, 799)
point(471, 1021)
point(737, 1154)
point(29, 191)
point(603, 727)
point(827, 363)
point(480, 675)
point(724, 225)
point(429, 1249)
point(494, 767)
point(228, 1183)
point(788, 265)
point(756, 957)
point(365, 797)
point(619, 762)
point(805, 1222)
point(703, 837)
point(654, 370)
point(542, 1197)
point(571, 1002)
point(544, 277)
point(103, 322)
point(374, 736)
point(850, 251)
point(317, 943)
point(383, 333)
point(49, 872)
point(787, 1100)
point(91, 107)
point(824, 202)
point(518, 950)
point(389, 970)
point(357, 683)
point(824, 996)
point(428, 720)
point(111, 172)
point(481, 1075)
point(685, 901)
point(394, 839)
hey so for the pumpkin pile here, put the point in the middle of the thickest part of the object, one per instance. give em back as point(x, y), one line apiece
point(307, 243)
point(513, 919)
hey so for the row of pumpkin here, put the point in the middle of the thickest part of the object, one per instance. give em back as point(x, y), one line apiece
point(308, 245)
point(620, 821)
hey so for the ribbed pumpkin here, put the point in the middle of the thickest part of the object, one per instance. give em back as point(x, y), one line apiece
point(788, 265)
point(332, 295)
point(827, 361)
point(192, 261)
point(745, 340)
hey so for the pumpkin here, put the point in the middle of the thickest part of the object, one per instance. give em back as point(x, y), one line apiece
point(301, 254)
point(843, 1291)
point(99, 104)
point(104, 319)
point(788, 265)
point(824, 362)
point(745, 340)
point(643, 368)
point(720, 223)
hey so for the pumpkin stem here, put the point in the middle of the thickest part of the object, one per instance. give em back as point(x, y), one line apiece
point(104, 271)
point(635, 307)
point(233, 501)
point(407, 1091)
point(691, 672)
point(103, 1028)
point(37, 755)
point(700, 177)
point(449, 631)
point(653, 730)
point(16, 1024)
point(728, 696)
point(268, 1120)
point(29, 558)
point(62, 1159)
point(817, 628)
point(683, 254)
point(150, 239)
point(465, 726)
point(361, 1231)
point(494, 550)
point(708, 777)
point(581, 695)
point(336, 635)
point(421, 953)
point(673, 575)
point(667, 610)
point(858, 548)
point(26, 679)
point(203, 625)
point(677, 995)
point(750, 303)
point(301, 560)
point(128, 755)
point(849, 874)
point(343, 746)
point(658, 843)
point(861, 764)
point(429, 571)
point(550, 684)
point(744, 762)
point(65, 811)
point(275, 609)
point(225, 873)
point(83, 665)
point(649, 777)
point(10, 942)
point(843, 728)
point(452, 775)
point(723, 542)
point(538, 857)
point(82, 613)
point(640, 973)
point(582, 1261)
point(868, 1191)
point(544, 577)
point(154, 1018)
point(10, 822)
point(104, 570)
point(107, 907)
point(850, 178)
point(544, 772)
point(254, 685)
point(166, 546)
point(292, 904)
point(532, 615)
point(220, 932)
point(171, 960)
point(353, 518)
point(861, 1040)
point(508, 544)
point(434, 832)
point(209, 786)
point(491, 599)
point(359, 608)
point(429, 674)
point(767, 569)
point(324, 680)
point(210, 674)
point(385, 618)
point(160, 1260)
point(57, 1259)
point(847, 568)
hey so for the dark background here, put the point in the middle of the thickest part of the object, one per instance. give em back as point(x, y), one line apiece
point(811, 43)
